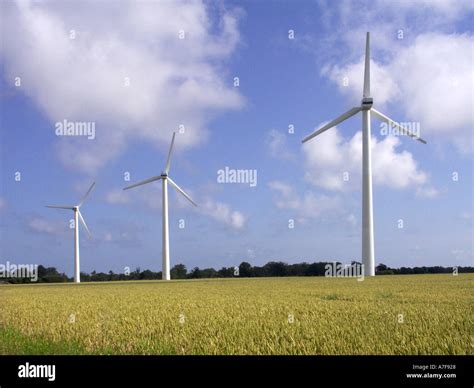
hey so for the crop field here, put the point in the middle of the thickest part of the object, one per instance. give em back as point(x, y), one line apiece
point(414, 314)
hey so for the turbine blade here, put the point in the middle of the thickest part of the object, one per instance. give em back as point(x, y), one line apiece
point(155, 178)
point(60, 207)
point(168, 161)
point(86, 194)
point(333, 123)
point(84, 223)
point(367, 67)
point(392, 123)
point(181, 191)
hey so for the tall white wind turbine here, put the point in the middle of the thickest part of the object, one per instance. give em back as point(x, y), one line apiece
point(164, 180)
point(77, 217)
point(368, 255)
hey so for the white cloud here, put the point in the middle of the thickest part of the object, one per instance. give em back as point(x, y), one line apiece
point(117, 197)
point(350, 81)
point(426, 76)
point(119, 236)
point(398, 170)
point(223, 213)
point(427, 192)
point(431, 81)
point(172, 81)
point(448, 10)
point(151, 196)
point(218, 211)
point(40, 225)
point(436, 76)
point(310, 205)
point(277, 145)
point(347, 21)
point(335, 164)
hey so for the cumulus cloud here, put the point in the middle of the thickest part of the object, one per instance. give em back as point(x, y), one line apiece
point(222, 213)
point(435, 74)
point(334, 163)
point(120, 236)
point(427, 192)
point(117, 197)
point(446, 10)
point(310, 205)
point(277, 145)
point(423, 75)
point(122, 66)
point(43, 226)
point(350, 81)
point(219, 211)
point(431, 81)
point(347, 21)
point(151, 196)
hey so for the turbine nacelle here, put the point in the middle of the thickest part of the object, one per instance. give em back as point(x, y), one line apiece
point(75, 208)
point(366, 103)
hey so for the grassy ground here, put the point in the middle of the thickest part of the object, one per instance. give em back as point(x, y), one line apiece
point(414, 314)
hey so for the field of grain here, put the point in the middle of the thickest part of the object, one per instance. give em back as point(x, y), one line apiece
point(414, 314)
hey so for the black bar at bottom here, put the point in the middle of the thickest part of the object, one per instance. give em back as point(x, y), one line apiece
point(380, 371)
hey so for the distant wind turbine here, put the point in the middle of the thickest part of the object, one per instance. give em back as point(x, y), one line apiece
point(77, 217)
point(164, 179)
point(367, 207)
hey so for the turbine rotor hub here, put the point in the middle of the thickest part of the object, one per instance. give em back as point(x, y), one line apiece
point(366, 103)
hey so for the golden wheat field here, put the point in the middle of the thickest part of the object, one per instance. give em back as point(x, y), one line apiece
point(414, 314)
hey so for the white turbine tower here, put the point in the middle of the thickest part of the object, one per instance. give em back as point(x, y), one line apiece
point(77, 217)
point(367, 207)
point(164, 179)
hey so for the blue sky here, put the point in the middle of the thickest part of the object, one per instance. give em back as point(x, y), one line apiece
point(72, 61)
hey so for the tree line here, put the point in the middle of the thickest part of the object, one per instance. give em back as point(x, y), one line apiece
point(245, 269)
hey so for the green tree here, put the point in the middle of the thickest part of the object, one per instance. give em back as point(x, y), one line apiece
point(245, 270)
point(179, 271)
point(195, 273)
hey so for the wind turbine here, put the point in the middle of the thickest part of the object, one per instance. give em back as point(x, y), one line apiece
point(77, 217)
point(367, 207)
point(164, 180)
